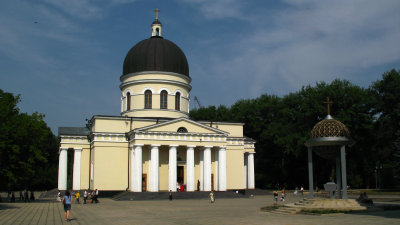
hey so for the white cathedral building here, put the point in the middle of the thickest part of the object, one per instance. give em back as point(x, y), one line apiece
point(153, 145)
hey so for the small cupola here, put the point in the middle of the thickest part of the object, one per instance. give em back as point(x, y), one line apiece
point(156, 26)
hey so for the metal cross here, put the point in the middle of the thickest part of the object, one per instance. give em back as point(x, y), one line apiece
point(329, 103)
point(157, 11)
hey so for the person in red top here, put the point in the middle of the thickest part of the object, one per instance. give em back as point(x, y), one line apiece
point(283, 194)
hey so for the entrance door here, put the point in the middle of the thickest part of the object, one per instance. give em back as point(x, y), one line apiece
point(212, 181)
point(180, 174)
point(144, 182)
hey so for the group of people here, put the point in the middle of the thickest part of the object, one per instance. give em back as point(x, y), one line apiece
point(68, 199)
point(180, 187)
point(88, 196)
point(23, 196)
point(283, 194)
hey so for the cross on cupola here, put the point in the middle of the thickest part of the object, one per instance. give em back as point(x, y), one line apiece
point(156, 25)
point(329, 103)
point(156, 11)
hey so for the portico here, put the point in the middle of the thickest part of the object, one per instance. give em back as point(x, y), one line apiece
point(219, 167)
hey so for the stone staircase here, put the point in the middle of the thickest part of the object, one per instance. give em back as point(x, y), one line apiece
point(140, 196)
point(346, 205)
point(284, 210)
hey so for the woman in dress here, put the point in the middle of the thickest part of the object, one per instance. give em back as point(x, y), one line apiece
point(67, 204)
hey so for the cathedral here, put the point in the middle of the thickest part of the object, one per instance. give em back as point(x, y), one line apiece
point(153, 145)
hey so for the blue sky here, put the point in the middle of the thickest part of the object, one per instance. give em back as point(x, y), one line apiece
point(65, 57)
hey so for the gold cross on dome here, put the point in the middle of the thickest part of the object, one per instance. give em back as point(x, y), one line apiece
point(329, 103)
point(157, 11)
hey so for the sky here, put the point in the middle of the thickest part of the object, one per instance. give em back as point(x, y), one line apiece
point(65, 57)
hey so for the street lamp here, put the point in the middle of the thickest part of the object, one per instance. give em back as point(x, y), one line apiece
point(377, 174)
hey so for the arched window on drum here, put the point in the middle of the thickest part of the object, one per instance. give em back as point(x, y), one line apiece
point(147, 99)
point(164, 100)
point(178, 101)
point(128, 101)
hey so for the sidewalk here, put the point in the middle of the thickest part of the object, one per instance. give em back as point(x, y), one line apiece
point(223, 211)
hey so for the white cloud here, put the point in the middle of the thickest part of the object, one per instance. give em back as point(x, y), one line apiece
point(85, 9)
point(219, 9)
point(311, 41)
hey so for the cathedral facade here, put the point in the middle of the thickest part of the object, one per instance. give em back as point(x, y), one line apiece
point(153, 145)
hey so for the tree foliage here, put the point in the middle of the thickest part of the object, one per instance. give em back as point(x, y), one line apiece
point(281, 126)
point(28, 148)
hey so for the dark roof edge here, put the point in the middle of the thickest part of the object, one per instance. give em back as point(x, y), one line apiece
point(79, 131)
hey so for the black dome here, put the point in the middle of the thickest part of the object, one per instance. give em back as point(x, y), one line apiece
point(156, 54)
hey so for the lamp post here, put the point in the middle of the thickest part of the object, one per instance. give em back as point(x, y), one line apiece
point(377, 175)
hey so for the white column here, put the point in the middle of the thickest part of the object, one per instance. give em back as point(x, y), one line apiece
point(122, 103)
point(76, 183)
point(190, 168)
point(62, 169)
point(207, 168)
point(131, 167)
point(137, 168)
point(216, 170)
point(338, 178)
point(250, 170)
point(246, 186)
point(172, 168)
point(310, 173)
point(201, 167)
point(343, 170)
point(222, 169)
point(154, 168)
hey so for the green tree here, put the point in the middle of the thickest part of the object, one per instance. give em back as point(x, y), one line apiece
point(386, 109)
point(28, 148)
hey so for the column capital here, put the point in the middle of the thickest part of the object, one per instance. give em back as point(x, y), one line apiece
point(137, 145)
point(172, 146)
point(208, 146)
point(155, 145)
point(191, 146)
point(63, 148)
point(78, 149)
point(222, 148)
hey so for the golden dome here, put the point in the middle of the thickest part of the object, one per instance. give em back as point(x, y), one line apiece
point(329, 127)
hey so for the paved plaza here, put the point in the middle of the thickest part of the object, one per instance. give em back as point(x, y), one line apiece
point(223, 211)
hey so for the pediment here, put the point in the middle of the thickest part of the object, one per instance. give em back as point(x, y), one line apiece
point(173, 126)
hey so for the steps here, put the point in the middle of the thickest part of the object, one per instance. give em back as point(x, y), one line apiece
point(139, 196)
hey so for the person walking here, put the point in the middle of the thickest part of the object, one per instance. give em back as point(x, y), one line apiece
point(77, 196)
point(58, 196)
point(211, 195)
point(301, 190)
point(170, 195)
point(12, 197)
point(295, 191)
point(32, 196)
point(84, 197)
point(275, 197)
point(67, 204)
point(26, 196)
point(283, 194)
point(97, 196)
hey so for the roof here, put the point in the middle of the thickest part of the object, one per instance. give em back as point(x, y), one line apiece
point(329, 127)
point(156, 54)
point(78, 131)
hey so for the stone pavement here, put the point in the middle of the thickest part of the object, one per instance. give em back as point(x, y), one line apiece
point(223, 211)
